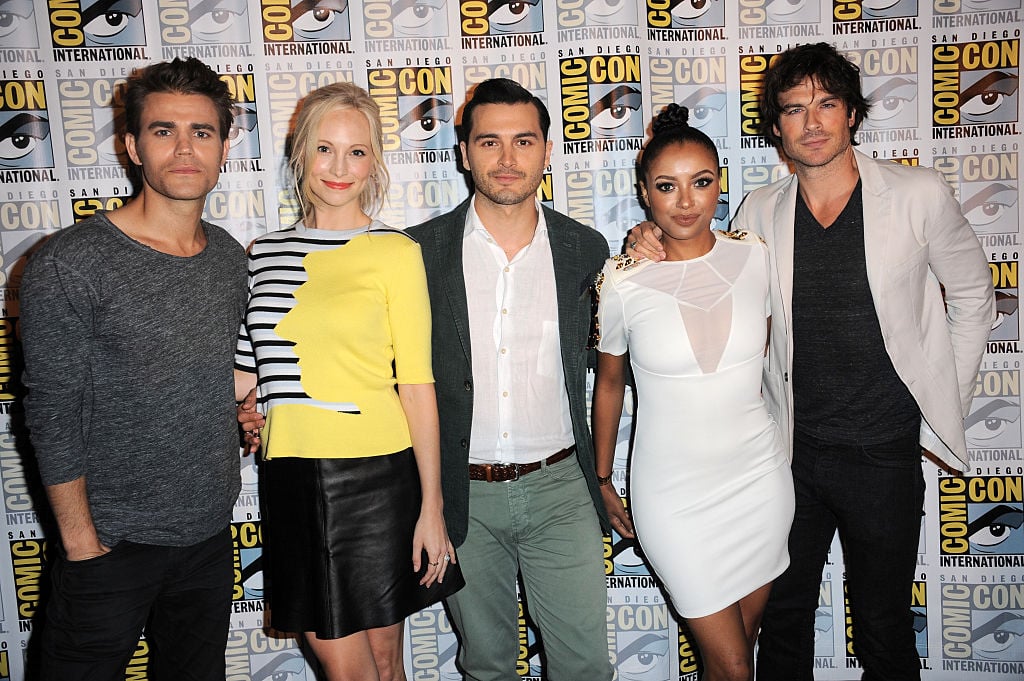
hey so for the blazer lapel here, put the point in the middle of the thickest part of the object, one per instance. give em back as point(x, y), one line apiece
point(877, 208)
point(569, 284)
point(449, 245)
point(782, 230)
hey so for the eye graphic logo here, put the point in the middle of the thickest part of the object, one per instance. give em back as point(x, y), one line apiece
point(1004, 280)
point(500, 17)
point(288, 665)
point(577, 13)
point(248, 563)
point(982, 623)
point(987, 187)
point(24, 125)
point(994, 421)
point(306, 20)
point(981, 515)
point(957, 6)
point(772, 12)
point(204, 22)
point(18, 24)
point(243, 136)
point(699, 84)
point(867, 10)
point(975, 83)
point(601, 100)
point(405, 18)
point(890, 82)
point(686, 13)
point(96, 23)
point(416, 106)
point(641, 634)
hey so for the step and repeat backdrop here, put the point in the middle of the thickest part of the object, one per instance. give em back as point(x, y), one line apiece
point(943, 76)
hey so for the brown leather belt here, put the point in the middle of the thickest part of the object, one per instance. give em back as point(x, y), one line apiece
point(504, 472)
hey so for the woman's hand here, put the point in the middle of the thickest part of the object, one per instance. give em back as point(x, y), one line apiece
point(617, 513)
point(251, 421)
point(431, 538)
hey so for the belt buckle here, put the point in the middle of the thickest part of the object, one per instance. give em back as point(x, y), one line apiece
point(515, 470)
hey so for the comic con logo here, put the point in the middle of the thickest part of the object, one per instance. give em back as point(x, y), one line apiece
point(42, 214)
point(432, 645)
point(764, 12)
point(95, 23)
point(92, 118)
point(994, 420)
point(479, 18)
point(641, 632)
point(28, 559)
point(983, 623)
point(758, 172)
point(975, 83)
point(605, 199)
point(251, 655)
point(243, 136)
point(688, 13)
point(285, 89)
point(18, 26)
point(202, 22)
point(416, 107)
point(890, 82)
point(987, 185)
point(411, 202)
point(981, 515)
point(753, 68)
point(601, 98)
point(405, 18)
point(305, 20)
point(699, 84)
point(247, 551)
point(1004, 280)
point(17, 499)
point(242, 212)
point(918, 608)
point(24, 125)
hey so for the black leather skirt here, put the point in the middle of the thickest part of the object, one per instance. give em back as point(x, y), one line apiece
point(337, 543)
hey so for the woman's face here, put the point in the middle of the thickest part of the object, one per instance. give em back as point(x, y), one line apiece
point(342, 160)
point(681, 188)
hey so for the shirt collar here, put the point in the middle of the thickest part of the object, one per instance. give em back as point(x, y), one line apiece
point(473, 223)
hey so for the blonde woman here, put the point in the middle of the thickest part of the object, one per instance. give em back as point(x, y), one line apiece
point(338, 318)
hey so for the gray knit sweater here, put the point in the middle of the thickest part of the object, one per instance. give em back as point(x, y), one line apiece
point(128, 362)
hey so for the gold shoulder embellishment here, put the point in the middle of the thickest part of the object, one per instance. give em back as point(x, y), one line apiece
point(598, 282)
point(624, 262)
point(738, 236)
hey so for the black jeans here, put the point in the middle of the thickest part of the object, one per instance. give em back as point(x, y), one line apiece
point(874, 496)
point(98, 608)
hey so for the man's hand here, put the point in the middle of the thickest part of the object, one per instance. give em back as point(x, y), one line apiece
point(645, 242)
point(251, 421)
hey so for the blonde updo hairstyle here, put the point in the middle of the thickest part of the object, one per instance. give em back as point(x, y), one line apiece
point(305, 136)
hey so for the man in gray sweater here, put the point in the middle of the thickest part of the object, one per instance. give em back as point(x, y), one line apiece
point(128, 325)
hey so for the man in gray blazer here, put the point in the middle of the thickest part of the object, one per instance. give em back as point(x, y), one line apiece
point(509, 288)
point(869, 359)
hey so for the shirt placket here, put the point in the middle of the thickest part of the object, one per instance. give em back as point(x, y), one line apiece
point(505, 328)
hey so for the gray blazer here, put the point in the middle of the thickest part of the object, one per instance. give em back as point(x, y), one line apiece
point(915, 238)
point(578, 253)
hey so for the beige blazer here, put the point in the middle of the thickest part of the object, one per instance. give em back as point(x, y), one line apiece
point(915, 238)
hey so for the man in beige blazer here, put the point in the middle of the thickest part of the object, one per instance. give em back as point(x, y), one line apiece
point(867, 363)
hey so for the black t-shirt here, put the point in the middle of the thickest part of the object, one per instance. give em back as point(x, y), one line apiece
point(845, 387)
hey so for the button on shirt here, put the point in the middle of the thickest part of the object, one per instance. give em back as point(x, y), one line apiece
point(520, 406)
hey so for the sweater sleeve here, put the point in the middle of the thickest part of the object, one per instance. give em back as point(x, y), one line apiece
point(409, 316)
point(57, 327)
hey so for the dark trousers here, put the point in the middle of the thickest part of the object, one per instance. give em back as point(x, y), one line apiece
point(99, 607)
point(874, 496)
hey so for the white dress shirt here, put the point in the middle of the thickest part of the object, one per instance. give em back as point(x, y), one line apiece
point(520, 406)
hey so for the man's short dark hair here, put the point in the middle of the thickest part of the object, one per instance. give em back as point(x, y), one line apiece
point(502, 91)
point(829, 70)
point(181, 76)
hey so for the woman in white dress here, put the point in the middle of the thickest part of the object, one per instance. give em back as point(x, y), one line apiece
point(710, 487)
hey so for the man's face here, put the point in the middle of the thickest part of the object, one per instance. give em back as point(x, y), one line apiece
point(814, 125)
point(179, 146)
point(506, 152)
